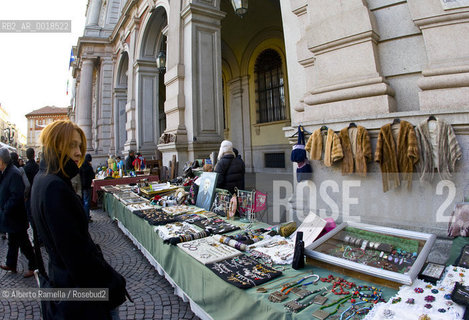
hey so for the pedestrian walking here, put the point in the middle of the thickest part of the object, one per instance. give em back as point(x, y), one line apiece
point(75, 261)
point(13, 220)
point(86, 175)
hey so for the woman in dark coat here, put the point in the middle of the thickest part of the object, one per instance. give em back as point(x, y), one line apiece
point(13, 218)
point(75, 261)
point(230, 168)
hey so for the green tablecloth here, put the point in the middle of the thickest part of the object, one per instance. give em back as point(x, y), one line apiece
point(216, 297)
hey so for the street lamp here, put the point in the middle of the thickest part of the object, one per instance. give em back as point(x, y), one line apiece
point(240, 7)
point(161, 61)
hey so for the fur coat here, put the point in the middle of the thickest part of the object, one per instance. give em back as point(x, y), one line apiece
point(396, 159)
point(332, 148)
point(448, 151)
point(356, 139)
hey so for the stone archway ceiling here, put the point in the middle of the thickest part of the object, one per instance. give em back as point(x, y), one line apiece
point(237, 32)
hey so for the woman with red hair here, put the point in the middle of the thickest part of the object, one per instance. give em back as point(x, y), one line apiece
point(75, 261)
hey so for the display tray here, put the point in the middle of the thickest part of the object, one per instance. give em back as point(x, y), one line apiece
point(156, 189)
point(133, 200)
point(387, 253)
point(208, 250)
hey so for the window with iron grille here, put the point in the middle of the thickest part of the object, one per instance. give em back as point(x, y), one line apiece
point(270, 87)
point(274, 160)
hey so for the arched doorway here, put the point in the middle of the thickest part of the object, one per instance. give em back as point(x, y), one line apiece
point(150, 89)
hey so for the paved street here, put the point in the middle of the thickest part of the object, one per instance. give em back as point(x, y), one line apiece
point(152, 294)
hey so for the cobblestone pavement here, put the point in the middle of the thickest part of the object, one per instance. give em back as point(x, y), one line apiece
point(153, 296)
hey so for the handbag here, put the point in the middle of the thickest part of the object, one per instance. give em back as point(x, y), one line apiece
point(304, 171)
point(459, 222)
point(298, 153)
point(299, 253)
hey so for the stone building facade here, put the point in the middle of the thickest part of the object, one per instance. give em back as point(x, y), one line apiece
point(38, 120)
point(252, 80)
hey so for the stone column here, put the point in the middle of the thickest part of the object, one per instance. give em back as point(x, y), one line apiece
point(240, 115)
point(147, 80)
point(445, 79)
point(93, 13)
point(83, 110)
point(131, 124)
point(105, 111)
point(203, 82)
point(345, 78)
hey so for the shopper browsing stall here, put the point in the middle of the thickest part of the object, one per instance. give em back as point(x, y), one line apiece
point(230, 168)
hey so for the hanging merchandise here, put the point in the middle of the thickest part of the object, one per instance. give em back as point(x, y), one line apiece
point(298, 153)
point(332, 148)
point(394, 163)
point(439, 149)
point(356, 147)
point(221, 203)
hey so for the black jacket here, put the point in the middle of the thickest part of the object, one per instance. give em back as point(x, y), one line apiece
point(86, 175)
point(12, 210)
point(128, 163)
point(31, 168)
point(231, 173)
point(75, 261)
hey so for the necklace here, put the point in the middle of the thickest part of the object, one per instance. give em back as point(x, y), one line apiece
point(265, 289)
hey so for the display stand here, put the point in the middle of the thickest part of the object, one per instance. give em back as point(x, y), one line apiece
point(249, 203)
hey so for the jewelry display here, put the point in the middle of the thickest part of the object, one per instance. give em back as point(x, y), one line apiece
point(208, 250)
point(265, 289)
point(175, 229)
point(177, 210)
point(297, 306)
point(155, 217)
point(321, 314)
point(244, 268)
point(189, 217)
point(279, 249)
point(187, 237)
point(420, 296)
point(140, 206)
point(216, 226)
point(372, 249)
point(232, 243)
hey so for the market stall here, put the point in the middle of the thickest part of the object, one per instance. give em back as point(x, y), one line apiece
point(353, 272)
point(99, 183)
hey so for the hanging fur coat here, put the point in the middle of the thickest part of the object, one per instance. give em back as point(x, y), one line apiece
point(394, 160)
point(332, 148)
point(448, 151)
point(358, 139)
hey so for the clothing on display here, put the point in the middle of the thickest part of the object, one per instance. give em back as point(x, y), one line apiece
point(439, 149)
point(397, 155)
point(330, 150)
point(356, 147)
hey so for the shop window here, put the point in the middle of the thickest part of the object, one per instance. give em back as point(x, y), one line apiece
point(274, 160)
point(270, 87)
